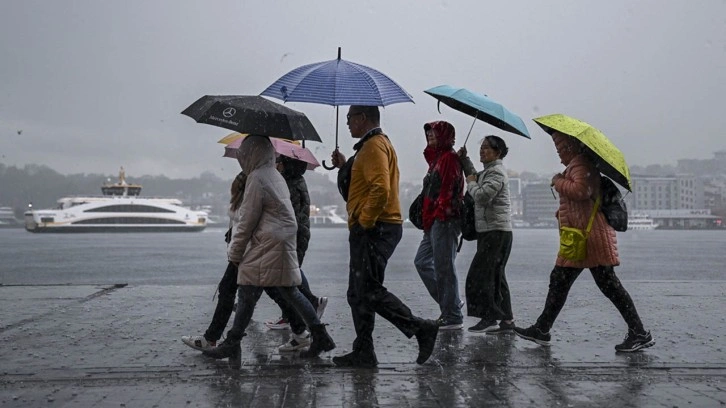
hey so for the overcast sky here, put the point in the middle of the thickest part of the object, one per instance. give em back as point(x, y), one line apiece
point(95, 85)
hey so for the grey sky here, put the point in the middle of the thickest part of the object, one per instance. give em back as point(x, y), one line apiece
point(95, 85)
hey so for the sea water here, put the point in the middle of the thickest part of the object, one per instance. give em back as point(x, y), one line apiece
point(200, 258)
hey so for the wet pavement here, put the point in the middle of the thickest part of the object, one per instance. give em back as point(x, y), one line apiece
point(105, 346)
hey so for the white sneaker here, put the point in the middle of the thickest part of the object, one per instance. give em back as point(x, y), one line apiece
point(198, 342)
point(279, 324)
point(322, 304)
point(298, 341)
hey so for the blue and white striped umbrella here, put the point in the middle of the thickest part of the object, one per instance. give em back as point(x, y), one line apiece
point(337, 82)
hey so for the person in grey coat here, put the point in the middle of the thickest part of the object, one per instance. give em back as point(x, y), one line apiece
point(487, 291)
point(264, 248)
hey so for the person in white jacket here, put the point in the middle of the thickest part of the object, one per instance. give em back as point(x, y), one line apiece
point(263, 245)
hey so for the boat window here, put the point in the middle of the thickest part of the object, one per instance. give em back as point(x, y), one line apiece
point(128, 220)
point(134, 208)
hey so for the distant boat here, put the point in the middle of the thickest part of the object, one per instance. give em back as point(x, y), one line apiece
point(119, 209)
point(326, 217)
point(7, 218)
point(641, 222)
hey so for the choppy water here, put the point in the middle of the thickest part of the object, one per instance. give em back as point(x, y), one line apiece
point(200, 258)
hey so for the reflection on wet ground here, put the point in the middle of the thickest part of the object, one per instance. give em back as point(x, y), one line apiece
point(65, 346)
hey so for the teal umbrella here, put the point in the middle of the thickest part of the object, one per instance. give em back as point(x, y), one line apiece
point(480, 107)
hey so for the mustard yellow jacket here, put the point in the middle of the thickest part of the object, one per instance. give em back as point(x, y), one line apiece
point(373, 191)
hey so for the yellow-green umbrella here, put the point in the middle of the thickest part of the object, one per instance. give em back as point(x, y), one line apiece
point(609, 159)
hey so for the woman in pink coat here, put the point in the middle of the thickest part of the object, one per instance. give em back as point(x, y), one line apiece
point(578, 186)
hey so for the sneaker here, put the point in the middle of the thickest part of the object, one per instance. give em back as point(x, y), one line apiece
point(635, 342)
point(483, 326)
point(502, 328)
point(198, 342)
point(279, 324)
point(322, 304)
point(534, 334)
point(449, 324)
point(298, 341)
point(361, 359)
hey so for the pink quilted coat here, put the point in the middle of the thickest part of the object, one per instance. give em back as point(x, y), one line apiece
point(577, 186)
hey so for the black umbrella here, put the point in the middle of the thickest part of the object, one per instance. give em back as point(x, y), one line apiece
point(254, 115)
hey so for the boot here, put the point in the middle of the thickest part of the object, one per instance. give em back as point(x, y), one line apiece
point(227, 349)
point(357, 358)
point(321, 342)
point(426, 337)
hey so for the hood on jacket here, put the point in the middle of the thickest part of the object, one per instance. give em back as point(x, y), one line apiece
point(255, 152)
point(293, 168)
point(444, 132)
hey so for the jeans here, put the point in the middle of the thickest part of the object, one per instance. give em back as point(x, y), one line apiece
point(225, 303)
point(369, 254)
point(434, 262)
point(247, 297)
point(297, 325)
point(561, 280)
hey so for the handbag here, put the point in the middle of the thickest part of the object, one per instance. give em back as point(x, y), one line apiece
point(415, 212)
point(573, 241)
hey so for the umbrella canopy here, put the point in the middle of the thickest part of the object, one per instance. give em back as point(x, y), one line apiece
point(480, 107)
point(253, 115)
point(337, 82)
point(284, 147)
point(608, 158)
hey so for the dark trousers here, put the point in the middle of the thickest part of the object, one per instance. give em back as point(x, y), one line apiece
point(561, 280)
point(369, 254)
point(247, 300)
point(297, 325)
point(487, 291)
point(225, 303)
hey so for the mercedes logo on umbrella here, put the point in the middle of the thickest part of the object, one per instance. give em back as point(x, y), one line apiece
point(229, 112)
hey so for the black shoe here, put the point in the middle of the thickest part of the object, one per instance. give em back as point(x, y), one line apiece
point(361, 359)
point(426, 337)
point(321, 342)
point(227, 349)
point(534, 334)
point(635, 342)
point(502, 328)
point(483, 326)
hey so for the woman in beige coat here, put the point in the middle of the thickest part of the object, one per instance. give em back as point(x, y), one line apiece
point(578, 186)
point(264, 247)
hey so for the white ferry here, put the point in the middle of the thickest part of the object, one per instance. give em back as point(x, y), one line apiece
point(326, 217)
point(119, 209)
point(641, 222)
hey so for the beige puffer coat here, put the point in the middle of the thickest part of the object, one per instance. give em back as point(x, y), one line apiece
point(581, 182)
point(265, 231)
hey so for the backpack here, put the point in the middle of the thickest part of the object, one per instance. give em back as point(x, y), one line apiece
point(467, 220)
point(612, 205)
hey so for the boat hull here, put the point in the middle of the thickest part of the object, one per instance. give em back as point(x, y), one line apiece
point(106, 229)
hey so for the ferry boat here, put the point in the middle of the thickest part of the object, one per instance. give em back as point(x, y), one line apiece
point(119, 209)
point(7, 218)
point(641, 222)
point(326, 217)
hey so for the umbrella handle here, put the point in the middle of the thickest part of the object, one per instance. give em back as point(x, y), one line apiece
point(326, 166)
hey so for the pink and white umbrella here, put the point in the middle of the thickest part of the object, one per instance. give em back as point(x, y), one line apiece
point(283, 147)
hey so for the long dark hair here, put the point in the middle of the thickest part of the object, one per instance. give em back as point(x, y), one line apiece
point(237, 191)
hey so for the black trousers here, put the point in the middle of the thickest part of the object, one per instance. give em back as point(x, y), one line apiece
point(225, 303)
point(561, 280)
point(487, 291)
point(369, 254)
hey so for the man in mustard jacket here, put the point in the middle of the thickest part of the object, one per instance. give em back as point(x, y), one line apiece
point(369, 183)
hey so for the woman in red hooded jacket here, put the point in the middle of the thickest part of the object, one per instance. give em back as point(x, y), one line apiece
point(578, 186)
point(442, 195)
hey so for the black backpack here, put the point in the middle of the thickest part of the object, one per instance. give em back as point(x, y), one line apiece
point(613, 205)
